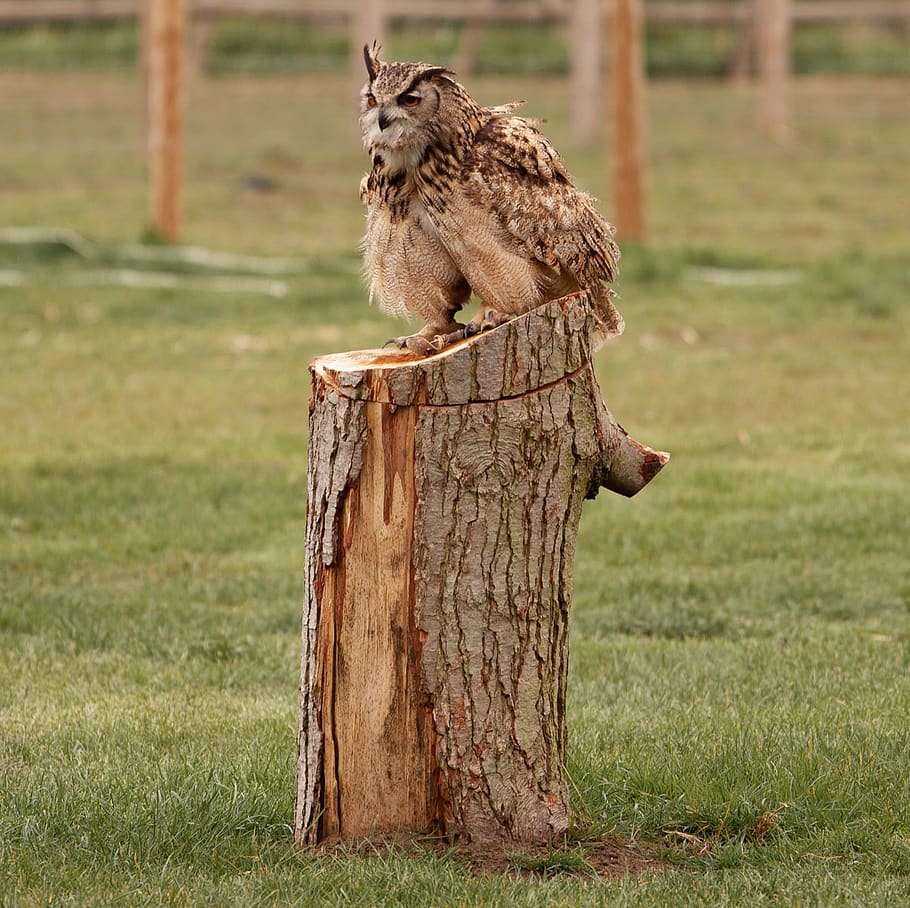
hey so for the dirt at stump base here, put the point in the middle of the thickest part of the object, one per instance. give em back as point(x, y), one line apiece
point(605, 859)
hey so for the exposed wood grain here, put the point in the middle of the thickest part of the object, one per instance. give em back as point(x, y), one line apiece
point(378, 764)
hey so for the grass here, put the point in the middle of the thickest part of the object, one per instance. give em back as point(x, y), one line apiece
point(741, 631)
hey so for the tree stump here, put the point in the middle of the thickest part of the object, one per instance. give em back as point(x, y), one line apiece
point(444, 496)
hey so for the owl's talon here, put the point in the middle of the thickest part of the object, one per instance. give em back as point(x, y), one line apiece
point(419, 345)
point(462, 332)
point(415, 343)
point(486, 321)
point(493, 318)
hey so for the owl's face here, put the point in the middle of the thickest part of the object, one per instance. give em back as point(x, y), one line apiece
point(400, 108)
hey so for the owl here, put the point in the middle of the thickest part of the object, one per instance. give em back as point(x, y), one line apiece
point(466, 199)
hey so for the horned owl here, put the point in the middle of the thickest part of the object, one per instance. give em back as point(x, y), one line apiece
point(464, 198)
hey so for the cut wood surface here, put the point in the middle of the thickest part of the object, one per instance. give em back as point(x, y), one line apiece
point(444, 500)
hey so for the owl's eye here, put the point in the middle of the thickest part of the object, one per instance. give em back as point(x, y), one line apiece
point(371, 101)
point(409, 100)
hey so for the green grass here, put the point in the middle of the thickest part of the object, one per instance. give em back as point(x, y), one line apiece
point(741, 630)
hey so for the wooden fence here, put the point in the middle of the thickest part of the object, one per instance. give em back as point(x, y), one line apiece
point(764, 25)
point(709, 12)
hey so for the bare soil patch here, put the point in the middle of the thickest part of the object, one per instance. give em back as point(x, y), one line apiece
point(606, 859)
point(603, 859)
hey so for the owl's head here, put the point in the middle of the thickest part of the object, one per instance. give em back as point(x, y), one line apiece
point(406, 107)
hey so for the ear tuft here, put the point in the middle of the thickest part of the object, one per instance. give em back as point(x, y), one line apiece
point(371, 59)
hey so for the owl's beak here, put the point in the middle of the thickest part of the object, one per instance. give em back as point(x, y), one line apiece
point(383, 120)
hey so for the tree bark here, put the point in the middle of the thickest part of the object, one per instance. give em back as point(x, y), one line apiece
point(444, 500)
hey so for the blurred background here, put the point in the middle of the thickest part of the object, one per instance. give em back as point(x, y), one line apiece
point(268, 96)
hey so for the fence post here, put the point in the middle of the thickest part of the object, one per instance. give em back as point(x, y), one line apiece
point(164, 128)
point(585, 33)
point(473, 28)
point(773, 42)
point(626, 153)
point(368, 24)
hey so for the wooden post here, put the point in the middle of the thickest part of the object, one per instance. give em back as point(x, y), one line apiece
point(626, 75)
point(166, 20)
point(742, 64)
point(444, 496)
point(772, 28)
point(473, 28)
point(368, 24)
point(202, 33)
point(143, 24)
point(585, 31)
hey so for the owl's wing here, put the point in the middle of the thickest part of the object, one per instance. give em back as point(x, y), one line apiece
point(518, 175)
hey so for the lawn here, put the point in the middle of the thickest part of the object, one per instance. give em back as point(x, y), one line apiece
point(740, 670)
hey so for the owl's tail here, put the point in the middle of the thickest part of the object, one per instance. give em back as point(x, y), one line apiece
point(610, 322)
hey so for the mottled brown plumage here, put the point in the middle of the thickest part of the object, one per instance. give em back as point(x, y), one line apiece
point(464, 198)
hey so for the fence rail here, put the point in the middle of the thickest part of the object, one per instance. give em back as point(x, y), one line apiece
point(710, 12)
point(719, 13)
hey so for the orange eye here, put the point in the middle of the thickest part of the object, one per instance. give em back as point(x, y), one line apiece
point(371, 101)
point(410, 100)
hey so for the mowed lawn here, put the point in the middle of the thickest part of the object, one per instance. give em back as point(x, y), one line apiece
point(740, 671)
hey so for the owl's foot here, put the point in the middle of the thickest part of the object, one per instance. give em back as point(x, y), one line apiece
point(427, 342)
point(416, 343)
point(485, 321)
point(493, 318)
point(424, 345)
point(441, 341)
